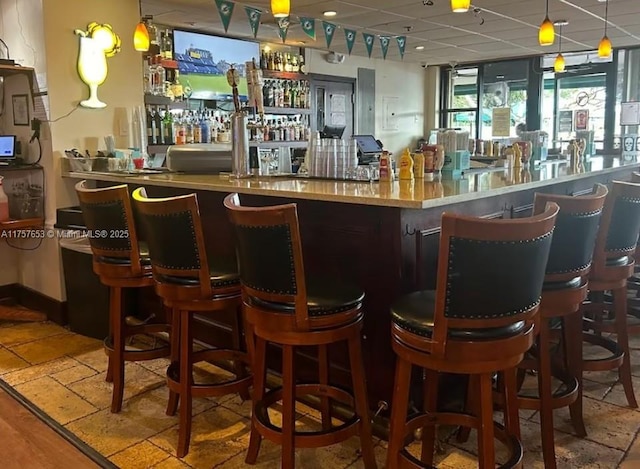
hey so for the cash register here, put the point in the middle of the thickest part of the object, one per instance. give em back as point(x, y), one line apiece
point(369, 149)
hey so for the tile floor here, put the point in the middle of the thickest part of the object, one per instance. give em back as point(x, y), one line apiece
point(63, 373)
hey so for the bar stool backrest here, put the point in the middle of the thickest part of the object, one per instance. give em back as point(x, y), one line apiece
point(173, 230)
point(490, 272)
point(574, 236)
point(108, 216)
point(269, 253)
point(619, 227)
point(635, 178)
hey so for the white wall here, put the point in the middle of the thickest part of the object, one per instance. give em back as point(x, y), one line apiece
point(404, 80)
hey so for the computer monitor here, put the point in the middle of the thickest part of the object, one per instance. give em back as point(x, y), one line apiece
point(367, 144)
point(332, 131)
point(7, 148)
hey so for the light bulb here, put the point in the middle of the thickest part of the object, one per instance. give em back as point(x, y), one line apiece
point(547, 33)
point(604, 48)
point(460, 6)
point(559, 64)
point(141, 38)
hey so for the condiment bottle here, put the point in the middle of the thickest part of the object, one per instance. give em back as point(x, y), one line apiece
point(4, 203)
point(517, 156)
point(418, 165)
point(385, 167)
point(406, 166)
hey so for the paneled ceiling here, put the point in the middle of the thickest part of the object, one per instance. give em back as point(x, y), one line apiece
point(491, 29)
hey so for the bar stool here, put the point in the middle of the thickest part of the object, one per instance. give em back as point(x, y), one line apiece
point(634, 281)
point(190, 282)
point(481, 319)
point(283, 307)
point(613, 265)
point(563, 291)
point(120, 261)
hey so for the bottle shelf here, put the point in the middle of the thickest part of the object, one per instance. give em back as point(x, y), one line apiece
point(287, 110)
point(284, 75)
point(279, 143)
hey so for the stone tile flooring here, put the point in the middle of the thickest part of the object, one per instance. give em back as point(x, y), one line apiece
point(63, 374)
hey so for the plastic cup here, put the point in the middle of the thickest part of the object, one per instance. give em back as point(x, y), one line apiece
point(138, 163)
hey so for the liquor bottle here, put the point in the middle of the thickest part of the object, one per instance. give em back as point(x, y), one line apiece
point(294, 95)
point(301, 66)
point(205, 130)
point(263, 60)
point(295, 67)
point(176, 86)
point(197, 130)
point(167, 46)
point(287, 95)
point(168, 128)
point(179, 132)
point(151, 139)
point(158, 125)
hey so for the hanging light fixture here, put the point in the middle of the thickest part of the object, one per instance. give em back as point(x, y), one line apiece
point(141, 37)
point(559, 64)
point(280, 8)
point(605, 47)
point(546, 33)
point(460, 6)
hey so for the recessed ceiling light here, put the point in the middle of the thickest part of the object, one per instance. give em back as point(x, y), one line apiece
point(419, 47)
point(330, 13)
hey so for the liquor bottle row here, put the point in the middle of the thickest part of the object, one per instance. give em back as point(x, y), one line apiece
point(282, 62)
point(290, 129)
point(287, 94)
point(160, 81)
point(189, 127)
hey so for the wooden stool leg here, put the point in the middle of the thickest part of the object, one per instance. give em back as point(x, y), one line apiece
point(572, 339)
point(545, 392)
point(236, 337)
point(174, 357)
point(486, 444)
point(325, 402)
point(510, 392)
point(620, 306)
point(186, 382)
point(117, 357)
point(470, 406)
point(259, 353)
point(399, 409)
point(288, 408)
point(362, 403)
point(430, 405)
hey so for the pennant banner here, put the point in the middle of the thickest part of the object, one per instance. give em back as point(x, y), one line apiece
point(384, 44)
point(283, 28)
point(329, 30)
point(309, 27)
point(368, 41)
point(350, 37)
point(402, 43)
point(254, 19)
point(225, 9)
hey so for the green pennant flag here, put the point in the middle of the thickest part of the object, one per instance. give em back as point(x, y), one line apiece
point(402, 43)
point(283, 28)
point(329, 30)
point(225, 9)
point(350, 37)
point(309, 27)
point(254, 19)
point(368, 41)
point(384, 44)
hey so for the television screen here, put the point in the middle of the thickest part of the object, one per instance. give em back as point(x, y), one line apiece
point(203, 61)
point(7, 147)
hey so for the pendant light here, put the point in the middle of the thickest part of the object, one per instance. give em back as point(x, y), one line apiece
point(546, 34)
point(559, 64)
point(141, 33)
point(460, 6)
point(604, 48)
point(280, 8)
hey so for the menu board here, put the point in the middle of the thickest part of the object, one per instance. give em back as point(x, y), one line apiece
point(565, 121)
point(630, 114)
point(501, 122)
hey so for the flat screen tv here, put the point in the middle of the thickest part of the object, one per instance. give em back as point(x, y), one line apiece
point(203, 61)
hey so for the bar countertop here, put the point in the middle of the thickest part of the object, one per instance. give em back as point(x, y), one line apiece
point(477, 183)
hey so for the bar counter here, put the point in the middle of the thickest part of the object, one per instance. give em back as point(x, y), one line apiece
point(383, 237)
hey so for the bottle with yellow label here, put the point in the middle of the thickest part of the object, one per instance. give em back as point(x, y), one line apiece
point(406, 166)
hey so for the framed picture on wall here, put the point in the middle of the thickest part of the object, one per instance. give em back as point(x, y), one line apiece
point(582, 119)
point(20, 109)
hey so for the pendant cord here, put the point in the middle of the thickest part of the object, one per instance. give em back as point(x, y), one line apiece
point(606, 16)
point(560, 41)
point(547, 9)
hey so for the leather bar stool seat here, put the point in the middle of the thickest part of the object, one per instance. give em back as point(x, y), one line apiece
point(480, 320)
point(284, 308)
point(120, 262)
point(191, 282)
